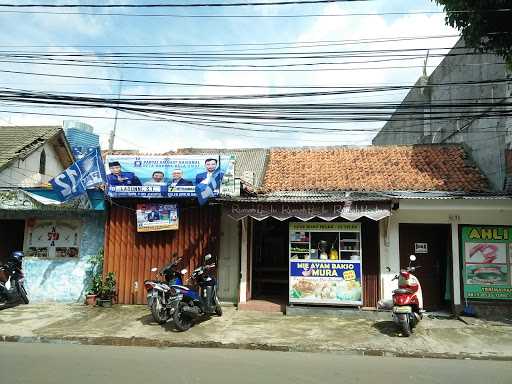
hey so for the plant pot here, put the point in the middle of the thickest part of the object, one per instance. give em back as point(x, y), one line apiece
point(105, 303)
point(90, 299)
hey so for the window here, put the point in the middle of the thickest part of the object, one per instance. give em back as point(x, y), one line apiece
point(42, 163)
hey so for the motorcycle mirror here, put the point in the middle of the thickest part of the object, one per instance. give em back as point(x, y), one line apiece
point(412, 258)
point(184, 271)
point(207, 257)
point(154, 269)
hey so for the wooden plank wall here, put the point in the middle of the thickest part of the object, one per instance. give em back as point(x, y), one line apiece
point(131, 255)
point(371, 262)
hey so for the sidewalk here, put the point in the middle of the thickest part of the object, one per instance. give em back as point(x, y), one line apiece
point(133, 325)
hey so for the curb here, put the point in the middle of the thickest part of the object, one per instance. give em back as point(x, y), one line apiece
point(145, 342)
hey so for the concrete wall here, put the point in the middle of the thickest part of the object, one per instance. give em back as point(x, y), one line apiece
point(65, 281)
point(453, 212)
point(485, 138)
point(25, 173)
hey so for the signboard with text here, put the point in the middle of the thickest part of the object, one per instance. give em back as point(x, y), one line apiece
point(157, 217)
point(325, 282)
point(487, 254)
point(166, 176)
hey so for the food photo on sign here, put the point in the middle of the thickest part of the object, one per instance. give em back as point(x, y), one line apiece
point(325, 282)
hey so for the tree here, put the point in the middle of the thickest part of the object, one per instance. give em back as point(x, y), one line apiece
point(485, 26)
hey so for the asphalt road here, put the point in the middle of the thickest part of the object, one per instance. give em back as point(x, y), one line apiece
point(77, 364)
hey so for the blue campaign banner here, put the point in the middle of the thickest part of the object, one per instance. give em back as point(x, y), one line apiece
point(85, 173)
point(325, 282)
point(166, 176)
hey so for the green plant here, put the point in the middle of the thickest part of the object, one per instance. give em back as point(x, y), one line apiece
point(94, 274)
point(107, 287)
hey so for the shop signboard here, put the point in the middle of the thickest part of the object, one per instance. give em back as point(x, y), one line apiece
point(487, 254)
point(52, 238)
point(157, 217)
point(325, 282)
point(167, 176)
point(325, 263)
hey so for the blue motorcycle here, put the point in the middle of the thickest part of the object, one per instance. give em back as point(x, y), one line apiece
point(189, 303)
point(160, 292)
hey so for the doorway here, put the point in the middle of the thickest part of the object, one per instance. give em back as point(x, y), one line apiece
point(12, 234)
point(431, 243)
point(270, 261)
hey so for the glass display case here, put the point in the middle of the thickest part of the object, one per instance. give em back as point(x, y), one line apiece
point(325, 263)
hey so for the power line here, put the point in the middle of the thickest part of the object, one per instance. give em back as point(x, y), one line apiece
point(175, 5)
point(224, 16)
point(336, 42)
point(230, 85)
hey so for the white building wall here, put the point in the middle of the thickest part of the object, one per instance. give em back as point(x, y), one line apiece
point(453, 212)
point(25, 173)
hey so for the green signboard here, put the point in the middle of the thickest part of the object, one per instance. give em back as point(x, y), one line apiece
point(487, 253)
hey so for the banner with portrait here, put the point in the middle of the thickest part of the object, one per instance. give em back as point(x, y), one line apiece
point(157, 217)
point(166, 176)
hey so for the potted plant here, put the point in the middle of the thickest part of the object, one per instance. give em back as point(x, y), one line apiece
point(94, 278)
point(107, 290)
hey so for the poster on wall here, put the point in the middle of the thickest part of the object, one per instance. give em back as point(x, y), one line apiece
point(325, 282)
point(157, 217)
point(52, 238)
point(487, 254)
point(167, 176)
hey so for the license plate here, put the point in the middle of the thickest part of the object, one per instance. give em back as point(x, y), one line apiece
point(404, 309)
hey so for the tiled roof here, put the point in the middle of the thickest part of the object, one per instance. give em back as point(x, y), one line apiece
point(374, 168)
point(19, 142)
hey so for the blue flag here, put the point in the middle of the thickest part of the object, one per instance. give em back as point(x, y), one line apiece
point(86, 173)
point(208, 187)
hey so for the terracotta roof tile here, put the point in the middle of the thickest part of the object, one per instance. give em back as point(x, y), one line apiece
point(375, 168)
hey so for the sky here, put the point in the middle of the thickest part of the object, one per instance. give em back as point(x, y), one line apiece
point(86, 33)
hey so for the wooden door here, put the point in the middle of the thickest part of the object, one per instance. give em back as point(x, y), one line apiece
point(430, 244)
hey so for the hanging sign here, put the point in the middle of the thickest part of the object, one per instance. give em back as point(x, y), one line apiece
point(167, 176)
point(157, 217)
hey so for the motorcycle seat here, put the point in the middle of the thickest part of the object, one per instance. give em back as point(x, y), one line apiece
point(403, 291)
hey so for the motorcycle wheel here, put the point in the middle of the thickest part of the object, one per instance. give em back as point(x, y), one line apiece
point(405, 326)
point(159, 314)
point(23, 293)
point(182, 323)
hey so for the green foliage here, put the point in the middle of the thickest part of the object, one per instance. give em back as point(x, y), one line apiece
point(94, 273)
point(107, 288)
point(485, 26)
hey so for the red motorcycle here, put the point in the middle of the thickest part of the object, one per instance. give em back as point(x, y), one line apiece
point(407, 300)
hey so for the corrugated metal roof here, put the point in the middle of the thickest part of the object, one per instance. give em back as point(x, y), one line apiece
point(20, 141)
point(311, 197)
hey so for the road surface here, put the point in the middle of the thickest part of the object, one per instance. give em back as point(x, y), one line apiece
point(76, 364)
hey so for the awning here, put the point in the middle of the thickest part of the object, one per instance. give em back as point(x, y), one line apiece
point(350, 210)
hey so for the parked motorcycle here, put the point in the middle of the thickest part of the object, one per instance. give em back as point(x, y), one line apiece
point(407, 300)
point(159, 292)
point(190, 303)
point(11, 280)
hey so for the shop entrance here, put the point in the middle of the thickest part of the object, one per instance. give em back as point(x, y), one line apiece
point(12, 237)
point(270, 261)
point(431, 243)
